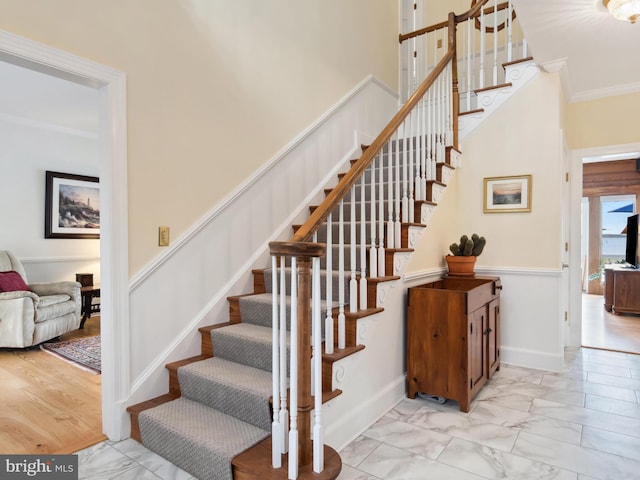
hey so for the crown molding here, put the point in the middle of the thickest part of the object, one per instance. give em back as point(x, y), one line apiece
point(597, 94)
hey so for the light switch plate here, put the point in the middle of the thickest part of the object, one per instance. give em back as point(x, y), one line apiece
point(163, 236)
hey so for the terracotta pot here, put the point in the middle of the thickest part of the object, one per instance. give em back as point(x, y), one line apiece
point(461, 266)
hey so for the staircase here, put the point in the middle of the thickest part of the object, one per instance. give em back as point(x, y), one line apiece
point(226, 412)
point(218, 405)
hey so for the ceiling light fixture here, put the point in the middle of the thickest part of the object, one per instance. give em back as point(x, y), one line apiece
point(627, 10)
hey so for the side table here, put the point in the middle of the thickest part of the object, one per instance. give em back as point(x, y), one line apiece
point(88, 307)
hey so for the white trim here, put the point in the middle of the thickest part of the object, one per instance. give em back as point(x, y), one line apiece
point(114, 242)
point(607, 152)
point(209, 217)
point(605, 92)
point(560, 66)
point(59, 259)
point(423, 275)
point(538, 272)
point(532, 359)
point(426, 275)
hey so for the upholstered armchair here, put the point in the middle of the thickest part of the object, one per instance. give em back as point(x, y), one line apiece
point(32, 314)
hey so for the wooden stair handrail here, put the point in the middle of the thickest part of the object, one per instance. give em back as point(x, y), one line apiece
point(332, 199)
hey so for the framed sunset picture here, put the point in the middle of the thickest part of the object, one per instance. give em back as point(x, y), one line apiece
point(507, 194)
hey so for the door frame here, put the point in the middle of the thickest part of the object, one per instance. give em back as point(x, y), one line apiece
point(114, 281)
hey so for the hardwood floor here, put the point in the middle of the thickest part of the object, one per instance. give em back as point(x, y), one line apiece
point(46, 404)
point(608, 331)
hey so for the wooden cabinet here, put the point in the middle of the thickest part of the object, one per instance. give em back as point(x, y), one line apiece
point(621, 289)
point(453, 337)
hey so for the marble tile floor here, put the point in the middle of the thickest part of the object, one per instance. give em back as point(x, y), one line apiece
point(582, 424)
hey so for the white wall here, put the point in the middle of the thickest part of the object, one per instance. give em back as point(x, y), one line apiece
point(34, 139)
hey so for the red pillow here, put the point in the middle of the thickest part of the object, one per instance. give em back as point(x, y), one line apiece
point(12, 282)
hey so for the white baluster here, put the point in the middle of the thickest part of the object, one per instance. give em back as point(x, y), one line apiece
point(483, 52)
point(328, 321)
point(425, 152)
point(293, 375)
point(419, 176)
point(373, 252)
point(353, 283)
point(412, 153)
point(363, 243)
point(284, 413)
point(390, 199)
point(341, 274)
point(449, 87)
point(380, 218)
point(429, 107)
point(405, 161)
point(397, 230)
point(495, 42)
point(469, 87)
point(318, 442)
point(509, 33)
point(276, 430)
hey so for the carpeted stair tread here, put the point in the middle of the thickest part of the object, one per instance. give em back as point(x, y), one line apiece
point(244, 343)
point(237, 390)
point(257, 309)
point(196, 438)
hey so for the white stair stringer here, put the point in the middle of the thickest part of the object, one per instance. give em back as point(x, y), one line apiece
point(488, 101)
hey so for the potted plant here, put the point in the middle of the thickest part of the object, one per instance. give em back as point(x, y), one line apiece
point(462, 259)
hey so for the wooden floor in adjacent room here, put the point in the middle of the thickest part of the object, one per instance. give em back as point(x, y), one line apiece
point(608, 331)
point(46, 404)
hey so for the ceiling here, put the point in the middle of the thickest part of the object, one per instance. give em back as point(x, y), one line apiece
point(596, 55)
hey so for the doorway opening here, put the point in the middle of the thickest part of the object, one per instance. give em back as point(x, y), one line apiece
point(609, 196)
point(111, 85)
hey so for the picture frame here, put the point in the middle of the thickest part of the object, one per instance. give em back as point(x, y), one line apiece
point(72, 206)
point(507, 194)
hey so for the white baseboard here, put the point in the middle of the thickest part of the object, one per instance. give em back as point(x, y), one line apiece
point(532, 359)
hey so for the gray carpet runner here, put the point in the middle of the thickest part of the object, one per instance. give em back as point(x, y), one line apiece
point(197, 438)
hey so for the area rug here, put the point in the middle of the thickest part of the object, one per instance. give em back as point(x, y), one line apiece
point(81, 352)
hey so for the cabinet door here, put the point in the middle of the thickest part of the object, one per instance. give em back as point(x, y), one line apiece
point(477, 345)
point(493, 337)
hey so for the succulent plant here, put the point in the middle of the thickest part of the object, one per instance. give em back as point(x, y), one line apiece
point(468, 246)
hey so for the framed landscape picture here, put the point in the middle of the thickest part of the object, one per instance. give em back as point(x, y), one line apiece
point(72, 206)
point(507, 194)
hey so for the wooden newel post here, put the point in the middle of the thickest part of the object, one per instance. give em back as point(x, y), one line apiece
point(304, 252)
point(304, 360)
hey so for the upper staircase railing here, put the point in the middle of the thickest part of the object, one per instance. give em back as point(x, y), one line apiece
point(487, 37)
point(325, 272)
